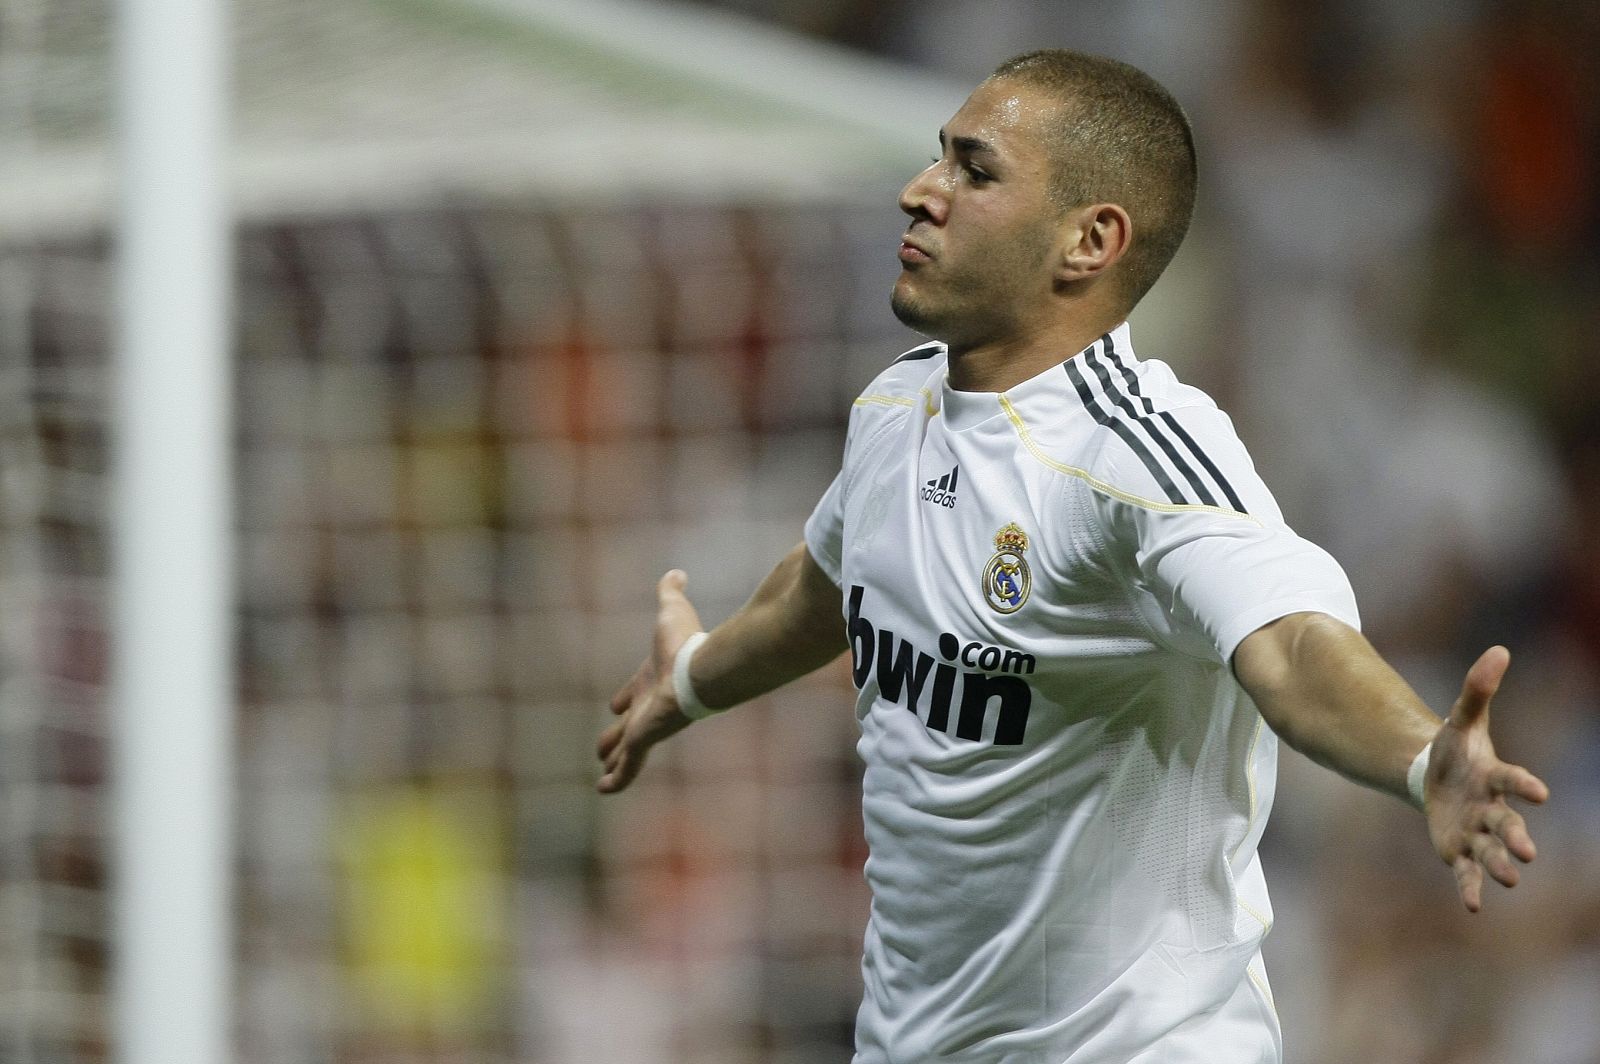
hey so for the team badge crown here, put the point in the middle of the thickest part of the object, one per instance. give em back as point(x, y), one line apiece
point(1011, 538)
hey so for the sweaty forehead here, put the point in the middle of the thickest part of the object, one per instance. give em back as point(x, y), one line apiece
point(1008, 114)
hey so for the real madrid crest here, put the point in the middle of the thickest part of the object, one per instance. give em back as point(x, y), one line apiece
point(1007, 579)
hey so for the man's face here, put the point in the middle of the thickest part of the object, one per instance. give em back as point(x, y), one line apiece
point(976, 260)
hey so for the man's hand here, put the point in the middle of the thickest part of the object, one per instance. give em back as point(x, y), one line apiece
point(790, 626)
point(646, 703)
point(1472, 826)
point(1327, 693)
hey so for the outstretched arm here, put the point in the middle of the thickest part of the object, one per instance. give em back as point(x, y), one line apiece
point(1320, 685)
point(792, 625)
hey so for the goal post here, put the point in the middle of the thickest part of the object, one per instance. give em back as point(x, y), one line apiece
point(171, 602)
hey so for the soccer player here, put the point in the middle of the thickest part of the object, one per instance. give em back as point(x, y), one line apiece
point(1078, 625)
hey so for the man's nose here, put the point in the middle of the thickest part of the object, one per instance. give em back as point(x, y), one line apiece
point(923, 197)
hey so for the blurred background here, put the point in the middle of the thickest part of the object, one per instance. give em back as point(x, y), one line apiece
point(536, 299)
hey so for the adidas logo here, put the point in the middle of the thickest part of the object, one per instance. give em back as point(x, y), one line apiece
point(941, 491)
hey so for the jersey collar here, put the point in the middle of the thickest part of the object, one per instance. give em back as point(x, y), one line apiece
point(965, 410)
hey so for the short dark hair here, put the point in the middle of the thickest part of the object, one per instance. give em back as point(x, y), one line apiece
point(1121, 138)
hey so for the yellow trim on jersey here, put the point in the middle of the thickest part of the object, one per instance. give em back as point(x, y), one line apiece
point(886, 400)
point(1101, 486)
point(1250, 782)
point(1266, 925)
point(902, 400)
point(1261, 985)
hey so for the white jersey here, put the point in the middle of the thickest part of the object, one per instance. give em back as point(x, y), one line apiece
point(1064, 783)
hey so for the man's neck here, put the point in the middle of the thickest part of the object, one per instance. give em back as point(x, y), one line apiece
point(999, 365)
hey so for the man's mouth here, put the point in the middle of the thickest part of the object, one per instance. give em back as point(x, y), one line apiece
point(911, 251)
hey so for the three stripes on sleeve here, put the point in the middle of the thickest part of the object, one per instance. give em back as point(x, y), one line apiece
point(1135, 426)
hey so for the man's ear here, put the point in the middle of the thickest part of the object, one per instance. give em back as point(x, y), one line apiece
point(1094, 238)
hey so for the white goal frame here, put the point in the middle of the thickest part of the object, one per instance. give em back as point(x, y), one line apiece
point(172, 572)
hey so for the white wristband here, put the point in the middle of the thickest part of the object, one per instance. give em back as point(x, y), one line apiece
point(1417, 775)
point(689, 703)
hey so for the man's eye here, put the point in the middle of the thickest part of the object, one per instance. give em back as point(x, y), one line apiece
point(978, 175)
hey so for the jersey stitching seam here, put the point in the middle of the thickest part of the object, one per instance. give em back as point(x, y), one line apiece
point(885, 400)
point(1118, 572)
point(1266, 925)
point(1103, 488)
point(1250, 783)
point(879, 399)
point(1032, 445)
point(1262, 986)
point(866, 445)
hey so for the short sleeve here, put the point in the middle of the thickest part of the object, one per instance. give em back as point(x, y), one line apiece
point(824, 533)
point(1217, 575)
point(1222, 578)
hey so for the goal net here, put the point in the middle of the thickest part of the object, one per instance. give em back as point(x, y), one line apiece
point(524, 317)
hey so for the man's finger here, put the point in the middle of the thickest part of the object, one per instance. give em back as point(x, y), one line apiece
point(612, 781)
point(1519, 782)
point(1469, 882)
point(1482, 681)
point(609, 739)
point(676, 619)
point(1495, 860)
point(622, 774)
point(642, 677)
point(1509, 826)
point(671, 586)
point(623, 698)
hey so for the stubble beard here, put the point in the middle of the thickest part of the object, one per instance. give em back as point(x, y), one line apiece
point(911, 311)
point(947, 312)
point(968, 305)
